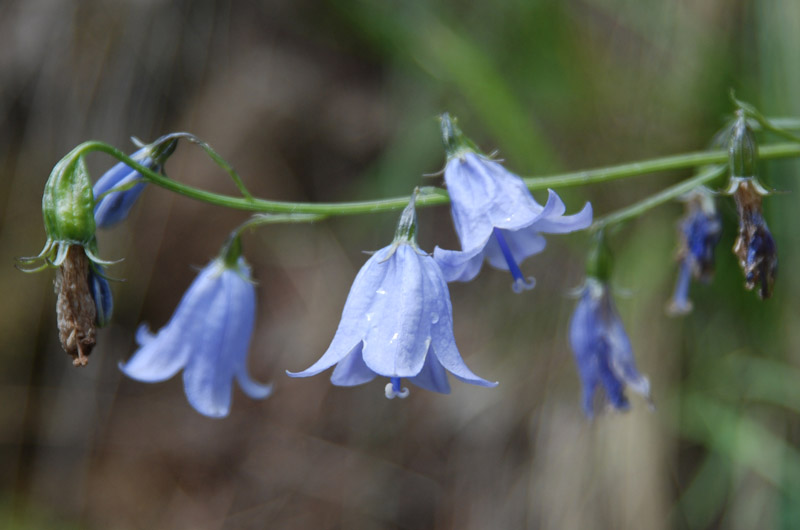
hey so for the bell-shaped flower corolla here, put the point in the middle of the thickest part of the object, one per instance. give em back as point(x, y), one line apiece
point(602, 350)
point(700, 231)
point(397, 323)
point(115, 206)
point(495, 216)
point(208, 337)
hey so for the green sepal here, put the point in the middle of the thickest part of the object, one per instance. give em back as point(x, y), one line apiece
point(743, 148)
point(161, 149)
point(406, 231)
point(599, 262)
point(68, 201)
point(231, 250)
point(455, 143)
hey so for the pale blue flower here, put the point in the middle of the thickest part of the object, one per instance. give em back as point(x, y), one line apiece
point(495, 216)
point(208, 337)
point(397, 323)
point(115, 207)
point(603, 352)
point(700, 231)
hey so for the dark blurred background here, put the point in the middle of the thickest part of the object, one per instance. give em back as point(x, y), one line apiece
point(336, 100)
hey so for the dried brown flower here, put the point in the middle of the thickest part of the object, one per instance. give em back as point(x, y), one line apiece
point(754, 246)
point(75, 308)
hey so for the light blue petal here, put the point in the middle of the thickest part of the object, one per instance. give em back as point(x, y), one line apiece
point(243, 310)
point(444, 343)
point(111, 178)
point(433, 376)
point(621, 358)
point(161, 356)
point(584, 339)
point(357, 314)
point(557, 223)
point(471, 189)
point(400, 330)
point(680, 303)
point(522, 243)
point(602, 350)
point(458, 266)
point(352, 370)
point(251, 387)
point(485, 195)
point(115, 207)
point(208, 376)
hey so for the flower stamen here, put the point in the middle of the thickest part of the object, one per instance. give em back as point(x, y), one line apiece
point(520, 282)
point(394, 389)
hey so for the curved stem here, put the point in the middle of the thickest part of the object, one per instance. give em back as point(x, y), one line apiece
point(221, 162)
point(659, 198)
point(428, 195)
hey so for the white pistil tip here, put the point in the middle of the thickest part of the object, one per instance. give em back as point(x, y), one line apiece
point(521, 284)
point(391, 394)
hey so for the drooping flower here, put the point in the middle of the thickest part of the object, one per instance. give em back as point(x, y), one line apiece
point(84, 300)
point(700, 231)
point(397, 323)
point(602, 349)
point(755, 247)
point(115, 206)
point(495, 216)
point(208, 337)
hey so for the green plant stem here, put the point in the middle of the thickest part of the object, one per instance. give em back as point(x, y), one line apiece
point(429, 196)
point(659, 198)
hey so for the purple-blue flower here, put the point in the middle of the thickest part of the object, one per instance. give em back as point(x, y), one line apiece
point(700, 231)
point(602, 350)
point(101, 294)
point(208, 337)
point(115, 206)
point(495, 216)
point(397, 323)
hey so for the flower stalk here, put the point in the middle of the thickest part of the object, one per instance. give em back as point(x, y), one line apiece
point(431, 196)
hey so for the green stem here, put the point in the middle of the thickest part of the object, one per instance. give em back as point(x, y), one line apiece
point(659, 198)
point(221, 162)
point(429, 196)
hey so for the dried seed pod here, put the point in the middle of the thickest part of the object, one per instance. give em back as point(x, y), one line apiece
point(75, 308)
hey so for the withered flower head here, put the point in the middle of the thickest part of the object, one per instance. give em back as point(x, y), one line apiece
point(75, 309)
point(84, 299)
point(755, 247)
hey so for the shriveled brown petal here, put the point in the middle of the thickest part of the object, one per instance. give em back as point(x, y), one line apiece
point(75, 309)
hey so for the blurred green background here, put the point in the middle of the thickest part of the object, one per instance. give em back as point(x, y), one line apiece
point(336, 100)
